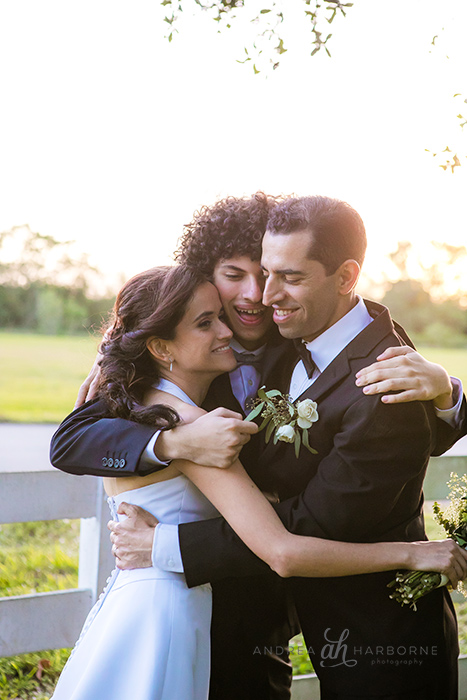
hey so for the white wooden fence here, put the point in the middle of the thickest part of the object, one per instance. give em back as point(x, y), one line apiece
point(53, 620)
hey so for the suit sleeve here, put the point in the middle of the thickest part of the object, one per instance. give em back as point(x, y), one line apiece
point(377, 462)
point(88, 441)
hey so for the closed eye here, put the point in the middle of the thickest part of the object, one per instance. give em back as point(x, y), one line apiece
point(205, 324)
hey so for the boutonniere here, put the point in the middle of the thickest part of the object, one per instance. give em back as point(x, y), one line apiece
point(288, 420)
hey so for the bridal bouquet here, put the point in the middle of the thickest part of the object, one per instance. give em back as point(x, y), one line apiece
point(410, 586)
point(288, 420)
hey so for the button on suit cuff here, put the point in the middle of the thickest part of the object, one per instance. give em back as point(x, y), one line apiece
point(166, 553)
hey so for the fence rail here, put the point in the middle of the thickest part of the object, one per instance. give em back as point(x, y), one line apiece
point(53, 620)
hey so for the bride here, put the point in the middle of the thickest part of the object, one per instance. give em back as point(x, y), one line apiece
point(148, 635)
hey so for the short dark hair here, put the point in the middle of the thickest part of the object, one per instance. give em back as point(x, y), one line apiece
point(337, 230)
point(232, 227)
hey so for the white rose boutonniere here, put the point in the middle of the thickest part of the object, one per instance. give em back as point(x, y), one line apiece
point(307, 413)
point(285, 433)
point(288, 421)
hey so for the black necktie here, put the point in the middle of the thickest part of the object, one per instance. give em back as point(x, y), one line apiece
point(305, 356)
point(248, 358)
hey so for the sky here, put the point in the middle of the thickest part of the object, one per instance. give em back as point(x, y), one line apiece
point(112, 137)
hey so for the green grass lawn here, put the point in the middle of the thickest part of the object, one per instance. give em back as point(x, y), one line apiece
point(41, 374)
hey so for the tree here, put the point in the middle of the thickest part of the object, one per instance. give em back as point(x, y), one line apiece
point(269, 17)
point(45, 285)
point(428, 297)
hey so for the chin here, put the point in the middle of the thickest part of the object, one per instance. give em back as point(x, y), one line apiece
point(289, 333)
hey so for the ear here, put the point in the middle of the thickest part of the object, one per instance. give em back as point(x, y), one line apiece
point(159, 349)
point(347, 276)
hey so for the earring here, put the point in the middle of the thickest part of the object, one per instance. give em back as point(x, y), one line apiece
point(171, 365)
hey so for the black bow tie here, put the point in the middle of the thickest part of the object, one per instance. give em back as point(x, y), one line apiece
point(248, 358)
point(305, 356)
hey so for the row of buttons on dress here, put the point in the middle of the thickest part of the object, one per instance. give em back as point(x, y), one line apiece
point(115, 463)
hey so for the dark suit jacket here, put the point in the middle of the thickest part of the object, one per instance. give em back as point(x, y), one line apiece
point(365, 484)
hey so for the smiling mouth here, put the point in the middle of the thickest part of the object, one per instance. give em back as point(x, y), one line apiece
point(223, 349)
point(250, 316)
point(282, 314)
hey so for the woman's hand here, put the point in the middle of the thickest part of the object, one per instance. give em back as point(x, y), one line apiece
point(406, 371)
point(444, 556)
point(213, 440)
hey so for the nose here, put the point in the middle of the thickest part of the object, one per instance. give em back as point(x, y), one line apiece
point(272, 292)
point(223, 331)
point(253, 290)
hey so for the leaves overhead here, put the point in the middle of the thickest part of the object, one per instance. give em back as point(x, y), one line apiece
point(270, 18)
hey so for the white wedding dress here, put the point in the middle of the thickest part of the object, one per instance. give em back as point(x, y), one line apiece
point(148, 636)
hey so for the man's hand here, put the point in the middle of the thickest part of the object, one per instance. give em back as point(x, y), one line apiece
point(404, 370)
point(213, 440)
point(132, 538)
point(88, 388)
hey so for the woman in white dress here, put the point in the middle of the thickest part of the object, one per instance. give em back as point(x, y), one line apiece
point(148, 635)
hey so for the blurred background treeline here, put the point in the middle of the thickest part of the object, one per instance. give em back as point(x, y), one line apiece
point(47, 287)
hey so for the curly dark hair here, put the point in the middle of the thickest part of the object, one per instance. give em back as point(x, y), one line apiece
point(337, 232)
point(230, 228)
point(150, 304)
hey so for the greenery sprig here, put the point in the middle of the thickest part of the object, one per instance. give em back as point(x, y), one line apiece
point(289, 421)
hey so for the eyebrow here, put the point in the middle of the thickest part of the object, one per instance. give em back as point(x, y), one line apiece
point(232, 267)
point(286, 271)
point(203, 314)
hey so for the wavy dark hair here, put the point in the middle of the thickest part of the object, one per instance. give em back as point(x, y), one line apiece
point(337, 232)
point(232, 227)
point(150, 304)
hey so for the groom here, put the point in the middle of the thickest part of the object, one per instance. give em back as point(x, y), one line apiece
point(236, 253)
point(364, 483)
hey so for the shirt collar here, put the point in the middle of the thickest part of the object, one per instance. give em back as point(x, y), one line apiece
point(235, 345)
point(329, 344)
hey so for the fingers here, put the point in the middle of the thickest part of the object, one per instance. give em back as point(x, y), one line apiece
point(226, 413)
point(395, 352)
point(127, 509)
point(93, 387)
point(82, 393)
point(248, 427)
point(456, 569)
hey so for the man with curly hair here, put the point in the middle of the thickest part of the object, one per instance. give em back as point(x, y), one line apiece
point(224, 241)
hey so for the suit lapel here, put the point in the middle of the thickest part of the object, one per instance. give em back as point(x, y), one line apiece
point(335, 373)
